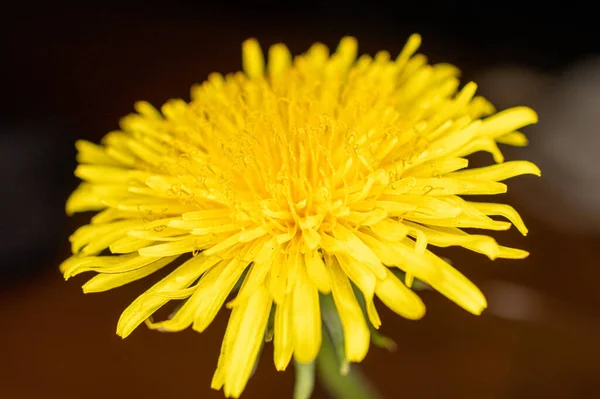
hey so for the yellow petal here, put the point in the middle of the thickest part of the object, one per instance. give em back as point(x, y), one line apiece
point(283, 339)
point(358, 250)
point(211, 300)
point(201, 296)
point(91, 153)
point(437, 167)
point(154, 207)
point(253, 59)
point(394, 208)
point(499, 172)
point(456, 287)
point(462, 221)
point(436, 186)
point(428, 205)
point(366, 218)
point(512, 253)
point(278, 278)
point(258, 272)
point(396, 253)
point(160, 234)
point(449, 143)
point(502, 210)
point(249, 335)
point(480, 144)
point(206, 214)
point(228, 339)
point(372, 313)
point(402, 300)
point(93, 239)
point(279, 60)
point(188, 244)
point(412, 45)
point(242, 236)
point(430, 269)
point(111, 215)
point(356, 331)
point(146, 109)
point(77, 264)
point(128, 245)
point(516, 139)
point(219, 229)
point(358, 273)
point(105, 282)
point(450, 111)
point(449, 236)
point(150, 301)
point(311, 238)
point(316, 271)
point(507, 121)
point(306, 318)
point(347, 50)
point(108, 174)
point(105, 264)
point(83, 199)
point(390, 229)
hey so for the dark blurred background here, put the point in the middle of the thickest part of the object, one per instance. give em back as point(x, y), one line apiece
point(71, 72)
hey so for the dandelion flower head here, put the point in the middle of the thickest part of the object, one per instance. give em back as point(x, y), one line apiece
point(299, 178)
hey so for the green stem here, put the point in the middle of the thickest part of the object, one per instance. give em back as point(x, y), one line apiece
point(354, 385)
point(305, 380)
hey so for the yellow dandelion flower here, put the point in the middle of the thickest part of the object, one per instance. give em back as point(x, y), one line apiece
point(301, 177)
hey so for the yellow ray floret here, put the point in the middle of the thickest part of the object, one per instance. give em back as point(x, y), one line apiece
point(298, 177)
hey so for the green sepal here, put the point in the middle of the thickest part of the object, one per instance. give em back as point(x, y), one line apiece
point(333, 327)
point(352, 385)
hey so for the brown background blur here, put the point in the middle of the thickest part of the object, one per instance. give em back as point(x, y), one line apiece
point(71, 73)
